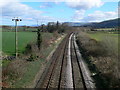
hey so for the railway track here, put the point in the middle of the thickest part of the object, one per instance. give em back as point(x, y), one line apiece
point(66, 69)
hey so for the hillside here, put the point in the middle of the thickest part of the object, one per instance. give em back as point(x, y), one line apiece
point(104, 24)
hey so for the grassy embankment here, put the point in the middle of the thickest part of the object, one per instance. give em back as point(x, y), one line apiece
point(100, 50)
point(34, 67)
point(21, 72)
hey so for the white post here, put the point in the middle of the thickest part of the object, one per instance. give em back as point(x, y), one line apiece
point(16, 39)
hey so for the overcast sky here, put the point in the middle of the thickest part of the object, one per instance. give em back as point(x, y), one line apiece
point(57, 10)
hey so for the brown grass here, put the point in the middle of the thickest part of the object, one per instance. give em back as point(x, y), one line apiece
point(15, 70)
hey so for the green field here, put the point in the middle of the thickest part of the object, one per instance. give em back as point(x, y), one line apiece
point(100, 36)
point(8, 41)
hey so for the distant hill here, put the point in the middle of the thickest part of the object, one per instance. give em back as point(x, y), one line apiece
point(104, 24)
point(74, 23)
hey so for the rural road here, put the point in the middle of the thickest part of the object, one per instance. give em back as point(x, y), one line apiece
point(67, 69)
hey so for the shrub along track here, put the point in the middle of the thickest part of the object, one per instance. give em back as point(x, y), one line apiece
point(64, 70)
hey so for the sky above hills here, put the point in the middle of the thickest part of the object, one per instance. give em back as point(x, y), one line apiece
point(43, 11)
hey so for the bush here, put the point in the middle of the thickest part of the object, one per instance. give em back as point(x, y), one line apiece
point(28, 48)
point(55, 34)
point(32, 57)
point(39, 38)
point(91, 46)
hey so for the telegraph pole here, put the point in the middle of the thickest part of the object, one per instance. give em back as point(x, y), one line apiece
point(16, 38)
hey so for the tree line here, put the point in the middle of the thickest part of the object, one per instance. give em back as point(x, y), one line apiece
point(53, 27)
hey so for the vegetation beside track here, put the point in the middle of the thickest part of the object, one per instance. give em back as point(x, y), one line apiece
point(100, 50)
point(21, 73)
